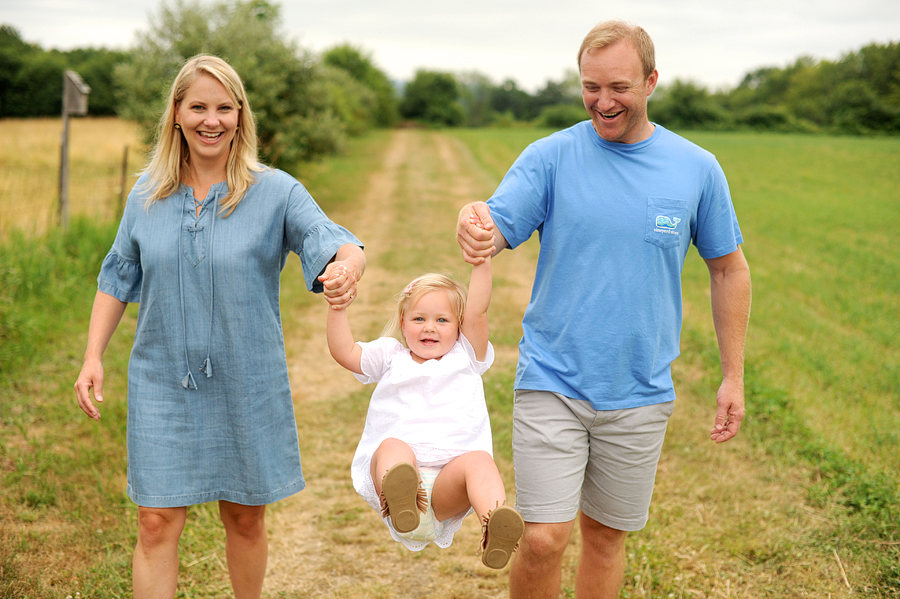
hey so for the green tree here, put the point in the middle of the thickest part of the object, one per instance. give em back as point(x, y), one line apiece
point(30, 79)
point(566, 92)
point(361, 68)
point(561, 116)
point(475, 98)
point(297, 117)
point(507, 98)
point(433, 97)
point(686, 105)
point(96, 66)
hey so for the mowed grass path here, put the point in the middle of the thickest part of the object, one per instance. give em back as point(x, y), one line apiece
point(760, 516)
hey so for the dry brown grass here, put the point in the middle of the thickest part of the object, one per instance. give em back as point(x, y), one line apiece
point(30, 163)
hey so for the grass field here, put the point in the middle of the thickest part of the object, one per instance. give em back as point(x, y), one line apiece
point(803, 504)
point(30, 163)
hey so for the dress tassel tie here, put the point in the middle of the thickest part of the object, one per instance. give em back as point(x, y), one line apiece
point(188, 381)
point(206, 367)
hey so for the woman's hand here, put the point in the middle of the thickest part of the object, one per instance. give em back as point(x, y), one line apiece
point(340, 285)
point(91, 375)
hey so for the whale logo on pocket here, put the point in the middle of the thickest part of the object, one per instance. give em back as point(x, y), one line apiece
point(664, 222)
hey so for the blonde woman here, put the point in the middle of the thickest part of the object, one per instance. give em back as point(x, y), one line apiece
point(201, 246)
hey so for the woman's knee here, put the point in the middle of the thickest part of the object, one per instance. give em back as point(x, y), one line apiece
point(160, 526)
point(247, 521)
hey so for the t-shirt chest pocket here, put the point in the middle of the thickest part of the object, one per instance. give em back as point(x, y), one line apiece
point(667, 222)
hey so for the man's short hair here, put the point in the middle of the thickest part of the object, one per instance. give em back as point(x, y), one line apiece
point(609, 32)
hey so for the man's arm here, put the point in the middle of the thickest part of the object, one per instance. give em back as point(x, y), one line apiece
point(729, 283)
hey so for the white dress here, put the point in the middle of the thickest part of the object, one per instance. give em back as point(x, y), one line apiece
point(437, 408)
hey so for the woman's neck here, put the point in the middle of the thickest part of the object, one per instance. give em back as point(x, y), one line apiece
point(201, 179)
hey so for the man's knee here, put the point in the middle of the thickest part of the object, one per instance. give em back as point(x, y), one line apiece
point(546, 542)
point(600, 538)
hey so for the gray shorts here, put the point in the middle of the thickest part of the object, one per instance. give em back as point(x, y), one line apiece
point(569, 456)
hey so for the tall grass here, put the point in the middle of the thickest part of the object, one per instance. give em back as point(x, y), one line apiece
point(822, 388)
point(66, 525)
point(30, 164)
point(823, 361)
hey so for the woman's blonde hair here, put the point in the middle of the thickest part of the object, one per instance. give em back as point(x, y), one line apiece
point(427, 283)
point(171, 155)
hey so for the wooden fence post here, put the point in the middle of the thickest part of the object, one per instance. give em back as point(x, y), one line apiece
point(74, 101)
point(121, 206)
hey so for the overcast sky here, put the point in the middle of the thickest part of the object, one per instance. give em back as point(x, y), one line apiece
point(711, 42)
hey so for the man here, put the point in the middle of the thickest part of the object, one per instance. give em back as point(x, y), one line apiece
point(616, 201)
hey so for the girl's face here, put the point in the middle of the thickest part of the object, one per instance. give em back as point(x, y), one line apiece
point(430, 327)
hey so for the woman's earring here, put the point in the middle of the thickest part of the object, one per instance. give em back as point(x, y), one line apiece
point(177, 126)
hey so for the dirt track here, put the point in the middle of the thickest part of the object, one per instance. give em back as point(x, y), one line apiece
point(325, 541)
point(712, 504)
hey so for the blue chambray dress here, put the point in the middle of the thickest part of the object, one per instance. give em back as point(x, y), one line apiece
point(210, 415)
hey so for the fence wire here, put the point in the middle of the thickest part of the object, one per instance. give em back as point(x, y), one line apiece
point(29, 196)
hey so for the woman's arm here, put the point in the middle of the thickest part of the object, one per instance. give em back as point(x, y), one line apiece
point(105, 317)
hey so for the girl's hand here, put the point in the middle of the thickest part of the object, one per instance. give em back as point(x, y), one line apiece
point(340, 285)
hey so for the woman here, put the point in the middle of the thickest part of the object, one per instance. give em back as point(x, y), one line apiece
point(201, 246)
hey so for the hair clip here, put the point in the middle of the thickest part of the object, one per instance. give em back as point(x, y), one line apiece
point(408, 289)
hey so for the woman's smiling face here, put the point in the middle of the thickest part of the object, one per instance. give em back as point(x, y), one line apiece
point(209, 118)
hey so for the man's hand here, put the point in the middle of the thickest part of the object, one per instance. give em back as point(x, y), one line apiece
point(730, 400)
point(475, 233)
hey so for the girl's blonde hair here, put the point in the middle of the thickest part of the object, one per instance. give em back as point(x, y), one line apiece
point(427, 283)
point(171, 155)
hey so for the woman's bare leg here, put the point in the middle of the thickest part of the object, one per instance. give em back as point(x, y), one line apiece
point(246, 547)
point(155, 564)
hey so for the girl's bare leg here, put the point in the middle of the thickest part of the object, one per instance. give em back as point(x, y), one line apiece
point(389, 453)
point(471, 479)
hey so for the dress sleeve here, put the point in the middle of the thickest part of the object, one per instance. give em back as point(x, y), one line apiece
point(312, 235)
point(376, 358)
point(482, 366)
point(121, 274)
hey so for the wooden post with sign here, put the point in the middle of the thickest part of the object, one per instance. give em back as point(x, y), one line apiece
point(74, 101)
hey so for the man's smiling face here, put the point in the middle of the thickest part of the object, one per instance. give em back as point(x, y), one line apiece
point(615, 92)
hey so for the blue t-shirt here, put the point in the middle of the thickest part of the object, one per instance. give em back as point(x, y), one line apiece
point(615, 222)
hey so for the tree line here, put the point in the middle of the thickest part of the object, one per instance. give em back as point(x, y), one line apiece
point(308, 104)
point(859, 94)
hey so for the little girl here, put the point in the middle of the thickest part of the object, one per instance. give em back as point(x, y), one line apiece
point(425, 458)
